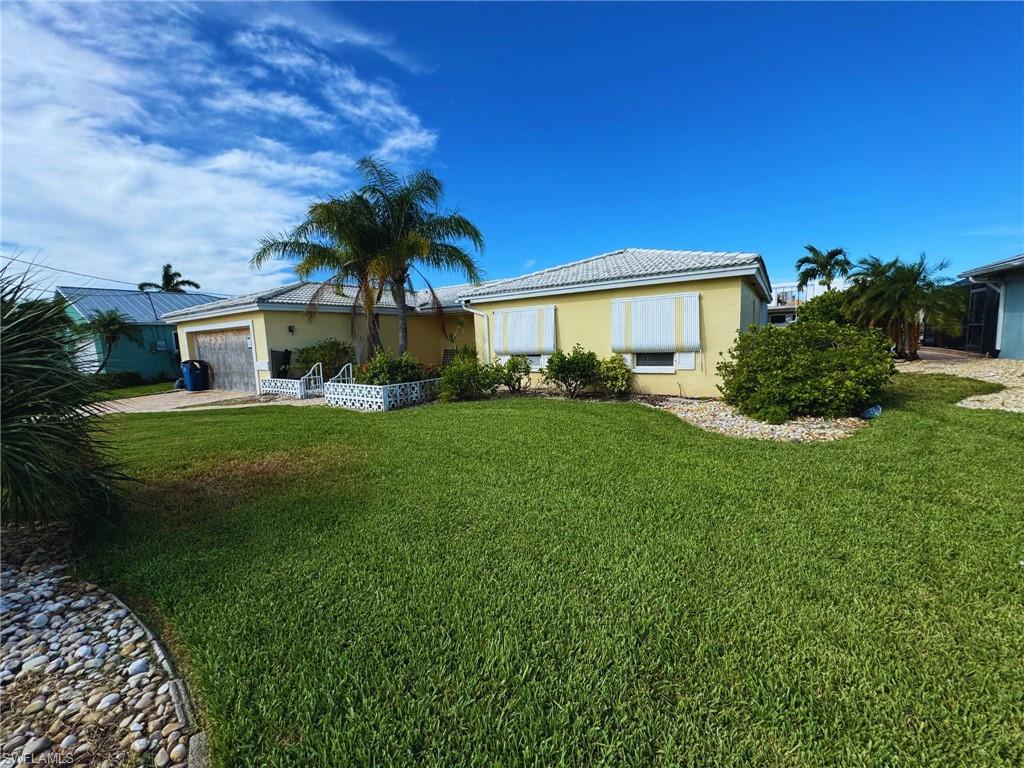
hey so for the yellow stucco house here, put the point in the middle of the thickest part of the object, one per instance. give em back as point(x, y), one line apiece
point(244, 337)
point(669, 313)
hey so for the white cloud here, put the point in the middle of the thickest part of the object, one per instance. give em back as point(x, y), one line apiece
point(995, 230)
point(128, 142)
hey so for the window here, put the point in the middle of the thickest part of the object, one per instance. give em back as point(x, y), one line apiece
point(655, 359)
point(657, 334)
point(529, 332)
point(537, 362)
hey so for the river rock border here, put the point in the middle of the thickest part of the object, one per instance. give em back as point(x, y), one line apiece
point(84, 680)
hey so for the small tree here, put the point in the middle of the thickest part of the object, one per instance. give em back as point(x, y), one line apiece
point(52, 458)
point(823, 267)
point(112, 326)
point(574, 372)
point(170, 282)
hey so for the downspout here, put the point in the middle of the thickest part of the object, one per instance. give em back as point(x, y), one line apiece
point(487, 327)
point(998, 288)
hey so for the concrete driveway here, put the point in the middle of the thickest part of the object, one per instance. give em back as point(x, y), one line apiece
point(180, 399)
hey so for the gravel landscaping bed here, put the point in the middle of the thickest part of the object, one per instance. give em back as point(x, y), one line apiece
point(83, 681)
point(717, 416)
point(1009, 373)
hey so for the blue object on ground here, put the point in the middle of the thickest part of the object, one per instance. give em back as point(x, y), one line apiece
point(196, 374)
point(179, 383)
point(871, 413)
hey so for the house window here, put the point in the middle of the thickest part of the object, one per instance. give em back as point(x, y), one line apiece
point(657, 334)
point(655, 359)
point(529, 332)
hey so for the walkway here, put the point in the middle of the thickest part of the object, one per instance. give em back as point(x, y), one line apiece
point(180, 400)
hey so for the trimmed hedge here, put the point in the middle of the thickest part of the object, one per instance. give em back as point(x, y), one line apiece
point(806, 369)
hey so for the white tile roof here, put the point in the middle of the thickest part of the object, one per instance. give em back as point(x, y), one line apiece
point(1014, 262)
point(624, 264)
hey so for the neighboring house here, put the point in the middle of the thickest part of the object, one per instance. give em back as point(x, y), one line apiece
point(1006, 279)
point(157, 355)
point(246, 338)
point(671, 314)
point(788, 296)
point(977, 331)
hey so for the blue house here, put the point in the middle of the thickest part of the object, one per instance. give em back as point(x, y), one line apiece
point(156, 356)
point(1006, 278)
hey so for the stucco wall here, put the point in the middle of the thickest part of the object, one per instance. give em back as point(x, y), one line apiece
point(586, 318)
point(427, 341)
point(1013, 318)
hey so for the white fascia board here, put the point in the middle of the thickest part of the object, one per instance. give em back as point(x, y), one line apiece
point(679, 277)
point(262, 307)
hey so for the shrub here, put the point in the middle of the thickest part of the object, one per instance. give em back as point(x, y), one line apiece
point(828, 307)
point(469, 379)
point(615, 377)
point(573, 372)
point(463, 351)
point(805, 369)
point(514, 373)
point(53, 461)
point(332, 353)
point(384, 368)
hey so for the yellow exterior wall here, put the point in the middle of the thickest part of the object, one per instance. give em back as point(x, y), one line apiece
point(586, 319)
point(270, 331)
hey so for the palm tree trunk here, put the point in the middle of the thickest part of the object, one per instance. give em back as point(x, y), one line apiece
point(398, 294)
point(106, 358)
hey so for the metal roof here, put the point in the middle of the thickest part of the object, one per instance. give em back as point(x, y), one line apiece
point(1014, 262)
point(615, 266)
point(140, 307)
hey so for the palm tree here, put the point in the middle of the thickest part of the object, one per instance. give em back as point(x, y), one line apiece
point(901, 298)
point(170, 282)
point(339, 235)
point(414, 232)
point(112, 326)
point(823, 267)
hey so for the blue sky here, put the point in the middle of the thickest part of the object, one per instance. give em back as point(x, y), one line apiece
point(135, 134)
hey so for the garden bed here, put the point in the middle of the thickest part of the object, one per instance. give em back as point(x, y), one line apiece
point(718, 416)
point(373, 397)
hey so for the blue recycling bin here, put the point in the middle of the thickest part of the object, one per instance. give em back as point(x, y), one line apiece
point(196, 374)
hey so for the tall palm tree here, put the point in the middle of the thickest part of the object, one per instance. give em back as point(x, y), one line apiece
point(414, 233)
point(170, 282)
point(901, 298)
point(823, 267)
point(112, 326)
point(339, 235)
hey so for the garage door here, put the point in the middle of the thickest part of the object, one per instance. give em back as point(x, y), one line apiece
point(230, 358)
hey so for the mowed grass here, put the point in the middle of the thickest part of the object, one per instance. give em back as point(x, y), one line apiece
point(535, 582)
point(120, 393)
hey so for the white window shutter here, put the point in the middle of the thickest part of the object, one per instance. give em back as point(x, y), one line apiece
point(691, 323)
point(548, 335)
point(619, 309)
point(522, 332)
point(500, 346)
point(654, 324)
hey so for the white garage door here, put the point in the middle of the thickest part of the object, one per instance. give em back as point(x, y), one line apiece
point(230, 358)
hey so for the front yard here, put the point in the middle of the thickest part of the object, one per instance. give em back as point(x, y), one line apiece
point(530, 581)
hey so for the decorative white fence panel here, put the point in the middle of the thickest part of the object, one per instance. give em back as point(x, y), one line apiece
point(288, 387)
point(370, 397)
point(310, 385)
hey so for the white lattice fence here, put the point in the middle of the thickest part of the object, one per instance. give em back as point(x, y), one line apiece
point(287, 387)
point(370, 397)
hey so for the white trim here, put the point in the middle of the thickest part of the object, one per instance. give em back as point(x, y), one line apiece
point(265, 306)
point(225, 326)
point(676, 277)
point(682, 361)
point(1000, 289)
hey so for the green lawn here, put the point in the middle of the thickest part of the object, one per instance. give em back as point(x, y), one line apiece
point(537, 582)
point(121, 393)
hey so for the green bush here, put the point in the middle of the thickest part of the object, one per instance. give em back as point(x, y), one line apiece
point(53, 461)
point(573, 372)
point(514, 373)
point(806, 369)
point(615, 377)
point(463, 351)
point(466, 378)
point(384, 368)
point(828, 307)
point(332, 353)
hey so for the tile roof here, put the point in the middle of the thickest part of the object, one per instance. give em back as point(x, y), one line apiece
point(1014, 262)
point(141, 307)
point(624, 264)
